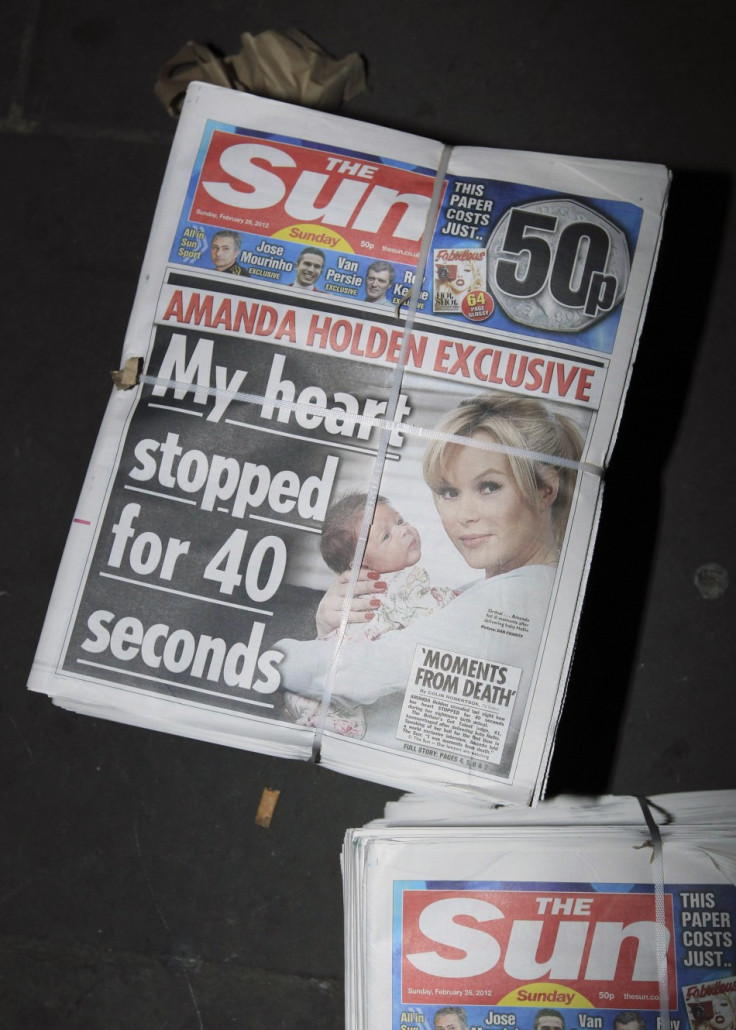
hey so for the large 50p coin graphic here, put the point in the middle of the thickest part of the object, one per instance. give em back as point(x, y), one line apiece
point(557, 265)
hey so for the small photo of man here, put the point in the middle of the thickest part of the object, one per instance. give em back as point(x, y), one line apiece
point(629, 1021)
point(379, 278)
point(451, 1017)
point(225, 247)
point(309, 267)
point(549, 1019)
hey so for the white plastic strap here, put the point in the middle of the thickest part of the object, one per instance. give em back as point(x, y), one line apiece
point(383, 442)
point(385, 425)
point(655, 839)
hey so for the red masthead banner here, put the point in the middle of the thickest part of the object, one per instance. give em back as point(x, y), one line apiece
point(532, 948)
point(312, 196)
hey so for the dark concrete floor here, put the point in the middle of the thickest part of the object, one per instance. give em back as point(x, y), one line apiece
point(135, 889)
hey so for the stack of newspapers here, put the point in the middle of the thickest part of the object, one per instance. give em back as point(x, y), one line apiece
point(346, 506)
point(580, 914)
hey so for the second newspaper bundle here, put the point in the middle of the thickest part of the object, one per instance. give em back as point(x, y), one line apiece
point(349, 506)
point(583, 914)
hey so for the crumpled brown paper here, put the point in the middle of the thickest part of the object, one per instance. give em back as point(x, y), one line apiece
point(126, 378)
point(281, 65)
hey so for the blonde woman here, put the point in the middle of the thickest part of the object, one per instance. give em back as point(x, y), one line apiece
point(506, 515)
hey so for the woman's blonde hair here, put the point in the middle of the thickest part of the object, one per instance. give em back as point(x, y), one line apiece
point(526, 424)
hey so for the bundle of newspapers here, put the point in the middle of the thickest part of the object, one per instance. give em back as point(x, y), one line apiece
point(346, 506)
point(581, 914)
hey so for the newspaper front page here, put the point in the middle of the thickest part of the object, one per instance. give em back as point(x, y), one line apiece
point(586, 921)
point(368, 363)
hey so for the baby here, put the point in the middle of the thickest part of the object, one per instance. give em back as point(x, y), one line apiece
point(393, 549)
